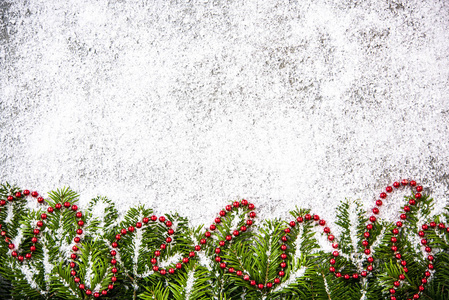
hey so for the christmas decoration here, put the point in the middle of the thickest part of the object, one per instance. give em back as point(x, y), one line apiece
point(60, 252)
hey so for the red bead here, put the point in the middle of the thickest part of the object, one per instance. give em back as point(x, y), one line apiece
point(372, 219)
point(114, 279)
point(139, 225)
point(185, 260)
point(207, 234)
point(424, 241)
point(14, 254)
point(20, 258)
point(392, 291)
point(168, 223)
point(430, 257)
point(34, 194)
point(239, 273)
point(155, 268)
point(88, 292)
point(269, 285)
point(123, 231)
point(40, 200)
point(308, 217)
point(2, 202)
point(153, 261)
point(404, 181)
point(252, 282)
point(113, 253)
point(80, 223)
point(74, 207)
point(114, 270)
point(395, 231)
point(243, 228)
point(82, 286)
point(338, 274)
point(217, 258)
point(157, 253)
point(389, 189)
point(212, 227)
point(421, 233)
point(370, 259)
point(170, 231)
point(403, 263)
point(79, 214)
point(236, 233)
point(418, 196)
point(424, 280)
point(406, 208)
point(104, 292)
point(281, 273)
point(171, 271)
point(73, 272)
point(399, 224)
point(419, 188)
point(332, 269)
point(222, 265)
point(73, 256)
point(66, 204)
point(249, 222)
point(284, 238)
point(77, 239)
point(260, 286)
point(228, 237)
point(369, 226)
point(396, 283)
point(292, 224)
point(398, 255)
point(355, 276)
point(26, 192)
point(228, 207)
point(366, 234)
point(222, 213)
point(236, 204)
point(145, 220)
point(425, 227)
point(316, 217)
point(75, 248)
point(428, 249)
point(11, 246)
point(251, 206)
point(287, 230)
point(110, 287)
point(221, 243)
point(327, 229)
point(197, 248)
point(277, 280)
point(79, 231)
point(191, 254)
point(283, 265)
point(131, 228)
point(162, 219)
point(379, 202)
point(335, 253)
point(403, 216)
point(375, 210)
point(40, 223)
point(367, 251)
point(50, 209)
point(415, 296)
point(433, 224)
point(217, 220)
point(332, 261)
point(412, 182)
point(300, 219)
point(113, 261)
point(335, 246)
point(346, 276)
point(383, 195)
point(283, 255)
point(441, 226)
point(252, 214)
point(244, 202)
point(365, 243)
point(203, 241)
point(364, 273)
point(322, 222)
point(283, 247)
point(153, 218)
point(412, 202)
point(394, 248)
point(33, 248)
point(96, 295)
point(396, 184)
point(58, 206)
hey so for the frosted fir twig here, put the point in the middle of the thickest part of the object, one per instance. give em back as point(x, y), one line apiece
point(189, 284)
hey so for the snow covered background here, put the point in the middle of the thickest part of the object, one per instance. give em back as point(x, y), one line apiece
point(186, 105)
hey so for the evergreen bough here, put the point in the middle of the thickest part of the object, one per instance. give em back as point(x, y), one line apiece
point(255, 251)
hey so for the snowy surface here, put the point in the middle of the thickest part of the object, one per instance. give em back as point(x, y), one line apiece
point(186, 105)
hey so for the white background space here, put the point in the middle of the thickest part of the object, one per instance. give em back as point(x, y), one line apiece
point(186, 105)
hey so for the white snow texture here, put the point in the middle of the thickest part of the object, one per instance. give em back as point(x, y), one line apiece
point(187, 105)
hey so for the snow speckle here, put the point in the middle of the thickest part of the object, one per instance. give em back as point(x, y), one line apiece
point(189, 104)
